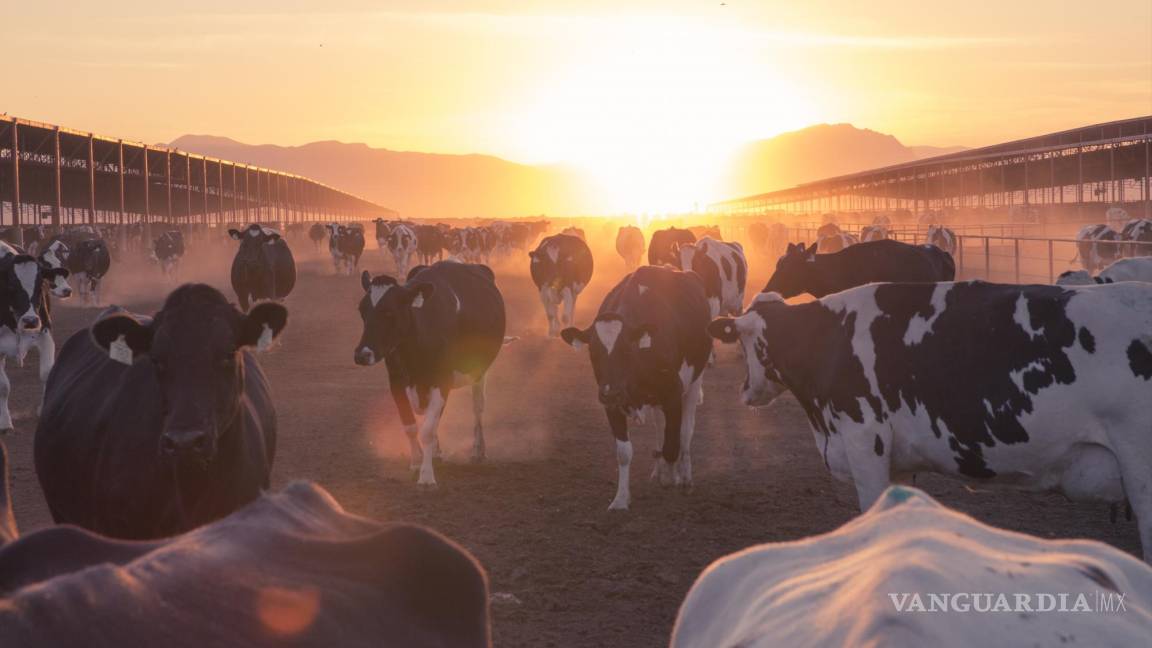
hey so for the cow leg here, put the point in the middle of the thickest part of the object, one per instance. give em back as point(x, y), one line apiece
point(408, 419)
point(1134, 459)
point(96, 292)
point(869, 452)
point(568, 296)
point(437, 399)
point(47, 351)
point(619, 424)
point(5, 389)
point(682, 472)
point(478, 411)
point(670, 454)
point(548, 298)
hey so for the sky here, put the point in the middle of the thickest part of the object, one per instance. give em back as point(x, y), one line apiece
point(668, 85)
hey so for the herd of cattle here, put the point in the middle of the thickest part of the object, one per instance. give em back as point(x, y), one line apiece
point(162, 429)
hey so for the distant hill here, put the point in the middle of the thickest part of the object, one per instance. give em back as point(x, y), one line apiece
point(817, 152)
point(432, 185)
point(418, 185)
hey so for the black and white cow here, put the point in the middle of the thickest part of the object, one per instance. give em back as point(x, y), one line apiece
point(430, 243)
point(168, 249)
point(440, 330)
point(834, 243)
point(401, 242)
point(316, 234)
point(802, 270)
point(291, 568)
point(561, 267)
point(1130, 269)
point(870, 233)
point(1137, 237)
point(649, 348)
point(263, 267)
point(664, 246)
point(383, 227)
point(88, 259)
point(25, 316)
point(941, 237)
point(346, 245)
point(1041, 387)
point(630, 246)
point(724, 270)
point(1097, 246)
point(155, 426)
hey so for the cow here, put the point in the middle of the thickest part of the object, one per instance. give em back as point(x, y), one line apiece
point(88, 260)
point(1097, 246)
point(941, 237)
point(911, 572)
point(168, 249)
point(870, 233)
point(834, 243)
point(430, 243)
point(882, 220)
point(700, 231)
point(649, 348)
point(401, 242)
point(472, 244)
point(152, 427)
point(1040, 387)
point(802, 270)
point(291, 568)
point(316, 234)
point(440, 330)
point(1130, 269)
point(383, 227)
point(34, 236)
point(25, 316)
point(630, 246)
point(263, 267)
point(346, 245)
point(828, 229)
point(574, 231)
point(664, 246)
point(561, 267)
point(1137, 237)
point(724, 270)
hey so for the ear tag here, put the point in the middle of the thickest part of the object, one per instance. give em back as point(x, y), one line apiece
point(577, 344)
point(265, 341)
point(120, 351)
point(418, 302)
point(645, 341)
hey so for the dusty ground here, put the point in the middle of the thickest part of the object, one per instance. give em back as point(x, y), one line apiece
point(535, 514)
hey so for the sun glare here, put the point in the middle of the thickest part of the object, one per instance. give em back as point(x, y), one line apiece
point(651, 112)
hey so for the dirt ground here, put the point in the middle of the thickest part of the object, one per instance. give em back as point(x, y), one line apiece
point(536, 513)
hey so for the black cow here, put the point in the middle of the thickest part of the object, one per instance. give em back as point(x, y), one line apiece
point(801, 270)
point(25, 320)
point(264, 267)
point(346, 245)
point(664, 247)
point(561, 268)
point(317, 233)
point(168, 249)
point(430, 243)
point(153, 427)
point(288, 569)
point(88, 259)
point(440, 330)
point(649, 347)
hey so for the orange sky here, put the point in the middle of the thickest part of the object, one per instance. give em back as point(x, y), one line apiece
point(668, 85)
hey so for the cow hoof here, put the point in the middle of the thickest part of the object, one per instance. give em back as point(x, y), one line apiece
point(478, 457)
point(5, 430)
point(618, 505)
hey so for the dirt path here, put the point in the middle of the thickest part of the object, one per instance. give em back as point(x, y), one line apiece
point(535, 514)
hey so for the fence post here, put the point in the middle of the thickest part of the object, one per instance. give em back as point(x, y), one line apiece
point(1051, 264)
point(1016, 256)
point(960, 251)
point(987, 259)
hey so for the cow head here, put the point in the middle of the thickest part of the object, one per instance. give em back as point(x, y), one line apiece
point(763, 383)
point(23, 278)
point(792, 271)
point(617, 349)
point(195, 346)
point(55, 274)
point(387, 311)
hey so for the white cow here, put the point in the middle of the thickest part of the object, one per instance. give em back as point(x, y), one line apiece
point(911, 572)
point(724, 269)
point(1039, 387)
point(1131, 269)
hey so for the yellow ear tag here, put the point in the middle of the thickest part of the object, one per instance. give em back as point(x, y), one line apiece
point(120, 351)
point(645, 341)
point(418, 302)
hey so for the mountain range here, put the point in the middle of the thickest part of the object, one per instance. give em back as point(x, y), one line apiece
point(434, 185)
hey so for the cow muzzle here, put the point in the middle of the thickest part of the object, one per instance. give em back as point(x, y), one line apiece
point(188, 445)
point(365, 357)
point(30, 323)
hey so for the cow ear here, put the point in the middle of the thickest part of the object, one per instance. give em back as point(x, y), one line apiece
point(574, 337)
point(366, 280)
point(137, 336)
point(724, 329)
point(235, 233)
point(792, 248)
point(261, 325)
